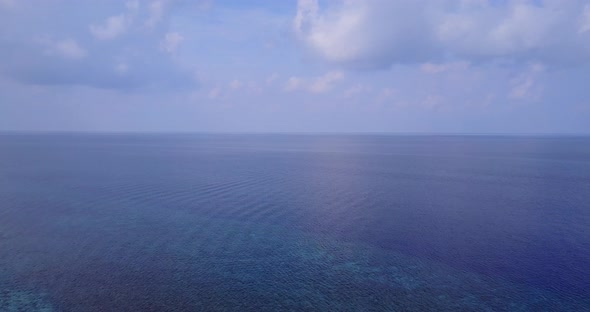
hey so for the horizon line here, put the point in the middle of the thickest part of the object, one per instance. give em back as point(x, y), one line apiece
point(360, 133)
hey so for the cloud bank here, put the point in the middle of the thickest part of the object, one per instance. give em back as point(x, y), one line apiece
point(379, 33)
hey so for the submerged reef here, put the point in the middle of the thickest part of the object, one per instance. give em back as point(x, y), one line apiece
point(23, 301)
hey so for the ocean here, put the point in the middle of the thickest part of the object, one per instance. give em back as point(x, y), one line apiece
point(286, 222)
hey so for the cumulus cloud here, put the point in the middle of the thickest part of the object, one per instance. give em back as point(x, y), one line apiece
point(379, 33)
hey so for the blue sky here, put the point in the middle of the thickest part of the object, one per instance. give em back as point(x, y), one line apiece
point(473, 66)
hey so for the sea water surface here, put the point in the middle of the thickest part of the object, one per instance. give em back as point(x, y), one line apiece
point(121, 222)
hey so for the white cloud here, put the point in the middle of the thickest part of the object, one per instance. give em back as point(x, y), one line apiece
point(70, 48)
point(386, 94)
point(130, 60)
point(113, 27)
point(235, 84)
point(117, 25)
point(66, 48)
point(171, 42)
point(318, 84)
point(326, 82)
point(525, 86)
point(254, 88)
point(379, 33)
point(355, 90)
point(156, 12)
point(432, 68)
point(215, 93)
point(363, 33)
point(293, 83)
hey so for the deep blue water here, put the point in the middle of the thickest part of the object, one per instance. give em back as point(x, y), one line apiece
point(94, 222)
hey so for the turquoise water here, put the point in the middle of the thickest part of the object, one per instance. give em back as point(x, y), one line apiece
point(287, 222)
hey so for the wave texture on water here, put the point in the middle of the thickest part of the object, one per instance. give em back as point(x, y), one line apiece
point(286, 222)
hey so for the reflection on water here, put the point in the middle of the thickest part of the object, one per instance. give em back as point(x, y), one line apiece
point(278, 222)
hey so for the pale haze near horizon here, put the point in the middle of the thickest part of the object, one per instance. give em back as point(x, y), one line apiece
point(295, 66)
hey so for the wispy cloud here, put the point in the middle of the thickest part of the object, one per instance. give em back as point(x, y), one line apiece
point(66, 48)
point(525, 87)
point(117, 53)
point(171, 42)
point(113, 27)
point(319, 84)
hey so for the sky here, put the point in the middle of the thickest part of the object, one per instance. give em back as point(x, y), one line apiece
point(400, 66)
